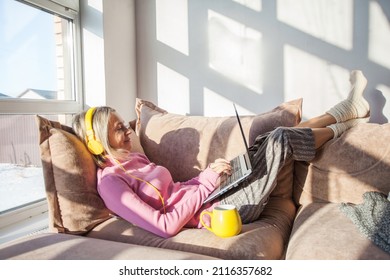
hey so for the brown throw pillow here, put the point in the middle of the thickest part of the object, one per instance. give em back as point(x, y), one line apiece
point(70, 180)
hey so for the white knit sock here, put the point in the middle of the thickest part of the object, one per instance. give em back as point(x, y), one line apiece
point(340, 128)
point(355, 106)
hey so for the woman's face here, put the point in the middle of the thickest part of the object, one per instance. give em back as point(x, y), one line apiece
point(118, 133)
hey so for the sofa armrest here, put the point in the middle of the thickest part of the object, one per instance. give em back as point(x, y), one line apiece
point(347, 167)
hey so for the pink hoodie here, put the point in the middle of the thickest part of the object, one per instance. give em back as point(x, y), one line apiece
point(138, 203)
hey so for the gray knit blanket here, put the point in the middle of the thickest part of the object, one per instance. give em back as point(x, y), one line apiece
point(372, 218)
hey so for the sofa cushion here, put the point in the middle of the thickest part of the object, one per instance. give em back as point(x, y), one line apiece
point(347, 167)
point(263, 239)
point(322, 231)
point(70, 179)
point(53, 246)
point(187, 144)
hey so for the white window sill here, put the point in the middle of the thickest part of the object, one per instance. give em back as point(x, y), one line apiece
point(23, 221)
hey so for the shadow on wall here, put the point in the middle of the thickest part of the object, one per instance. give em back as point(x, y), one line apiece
point(260, 53)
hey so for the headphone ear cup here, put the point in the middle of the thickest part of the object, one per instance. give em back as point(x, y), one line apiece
point(95, 147)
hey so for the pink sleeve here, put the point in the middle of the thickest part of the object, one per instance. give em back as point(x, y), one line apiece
point(207, 178)
point(122, 200)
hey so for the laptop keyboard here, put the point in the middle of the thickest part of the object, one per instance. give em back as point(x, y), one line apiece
point(236, 172)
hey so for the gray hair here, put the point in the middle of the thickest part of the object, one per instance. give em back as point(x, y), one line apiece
point(100, 121)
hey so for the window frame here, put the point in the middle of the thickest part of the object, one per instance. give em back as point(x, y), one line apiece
point(19, 219)
point(68, 10)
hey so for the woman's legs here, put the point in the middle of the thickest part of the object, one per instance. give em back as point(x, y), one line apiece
point(321, 136)
point(346, 114)
point(321, 132)
point(355, 106)
point(325, 127)
point(270, 152)
point(318, 122)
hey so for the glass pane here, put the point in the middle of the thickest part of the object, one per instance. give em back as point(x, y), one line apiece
point(35, 53)
point(21, 176)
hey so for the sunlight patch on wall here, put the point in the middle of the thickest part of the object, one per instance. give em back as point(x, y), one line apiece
point(96, 4)
point(172, 89)
point(94, 76)
point(317, 81)
point(379, 36)
point(235, 51)
point(215, 105)
point(251, 4)
point(328, 20)
point(385, 90)
point(172, 24)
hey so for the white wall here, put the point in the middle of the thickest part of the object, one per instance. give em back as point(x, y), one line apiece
point(93, 52)
point(198, 56)
point(120, 56)
point(108, 31)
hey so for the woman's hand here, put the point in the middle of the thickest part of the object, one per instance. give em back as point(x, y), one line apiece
point(221, 166)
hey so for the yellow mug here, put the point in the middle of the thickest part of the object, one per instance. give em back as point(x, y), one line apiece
point(225, 220)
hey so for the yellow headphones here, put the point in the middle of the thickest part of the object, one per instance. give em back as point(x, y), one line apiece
point(94, 145)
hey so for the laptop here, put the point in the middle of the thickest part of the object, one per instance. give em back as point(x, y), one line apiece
point(241, 168)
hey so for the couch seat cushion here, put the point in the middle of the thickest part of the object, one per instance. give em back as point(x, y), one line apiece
point(322, 231)
point(57, 246)
point(263, 239)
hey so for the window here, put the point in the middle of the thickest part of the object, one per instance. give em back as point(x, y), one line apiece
point(40, 57)
point(40, 74)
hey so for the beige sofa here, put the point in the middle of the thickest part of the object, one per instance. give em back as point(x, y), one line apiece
point(302, 220)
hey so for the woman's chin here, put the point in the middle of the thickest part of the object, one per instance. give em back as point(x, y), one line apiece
point(128, 147)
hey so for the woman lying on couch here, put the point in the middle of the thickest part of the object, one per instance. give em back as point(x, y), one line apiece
point(144, 193)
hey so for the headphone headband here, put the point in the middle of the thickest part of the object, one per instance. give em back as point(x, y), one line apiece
point(94, 145)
